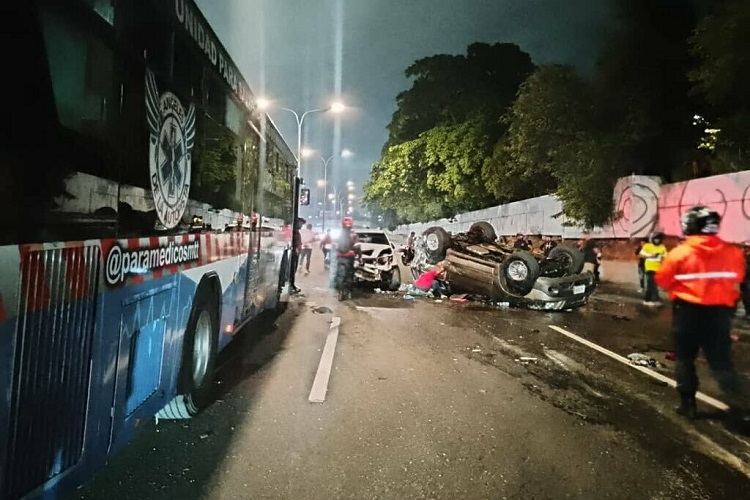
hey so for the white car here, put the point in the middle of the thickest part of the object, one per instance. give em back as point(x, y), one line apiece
point(379, 264)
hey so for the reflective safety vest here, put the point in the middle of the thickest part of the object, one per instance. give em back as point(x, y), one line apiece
point(652, 256)
point(703, 270)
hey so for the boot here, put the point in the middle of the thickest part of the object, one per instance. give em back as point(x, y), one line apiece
point(687, 406)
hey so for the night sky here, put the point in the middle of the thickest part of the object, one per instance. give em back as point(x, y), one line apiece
point(287, 52)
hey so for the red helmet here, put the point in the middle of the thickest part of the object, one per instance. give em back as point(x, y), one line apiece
point(347, 222)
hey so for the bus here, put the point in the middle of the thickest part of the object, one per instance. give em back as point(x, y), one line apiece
point(144, 207)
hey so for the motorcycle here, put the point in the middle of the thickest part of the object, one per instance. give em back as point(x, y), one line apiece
point(407, 255)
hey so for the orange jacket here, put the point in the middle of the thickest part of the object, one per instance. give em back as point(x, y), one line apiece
point(703, 270)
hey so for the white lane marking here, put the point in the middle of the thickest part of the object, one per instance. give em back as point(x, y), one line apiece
point(375, 309)
point(320, 384)
point(651, 373)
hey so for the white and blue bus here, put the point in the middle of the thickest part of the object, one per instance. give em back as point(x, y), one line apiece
point(138, 183)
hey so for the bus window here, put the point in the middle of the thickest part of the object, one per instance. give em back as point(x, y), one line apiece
point(82, 73)
point(187, 71)
point(215, 162)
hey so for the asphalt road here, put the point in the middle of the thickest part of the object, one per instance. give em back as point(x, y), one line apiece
point(429, 400)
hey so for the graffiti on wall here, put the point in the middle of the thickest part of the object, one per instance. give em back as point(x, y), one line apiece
point(642, 204)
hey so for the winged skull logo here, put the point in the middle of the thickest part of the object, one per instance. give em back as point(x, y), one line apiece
point(171, 139)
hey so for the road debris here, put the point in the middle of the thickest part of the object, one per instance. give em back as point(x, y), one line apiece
point(408, 297)
point(322, 310)
point(639, 359)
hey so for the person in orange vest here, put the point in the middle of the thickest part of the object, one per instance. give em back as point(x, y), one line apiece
point(702, 276)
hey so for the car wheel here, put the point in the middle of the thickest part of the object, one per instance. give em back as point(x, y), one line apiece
point(486, 231)
point(520, 271)
point(393, 280)
point(571, 259)
point(437, 243)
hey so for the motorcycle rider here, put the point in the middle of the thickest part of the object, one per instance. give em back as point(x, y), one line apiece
point(702, 276)
point(347, 249)
point(407, 254)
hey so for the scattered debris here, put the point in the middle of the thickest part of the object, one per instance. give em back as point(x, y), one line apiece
point(459, 299)
point(322, 310)
point(410, 289)
point(525, 360)
point(378, 290)
point(439, 301)
point(639, 359)
point(617, 317)
point(408, 297)
point(670, 356)
point(476, 350)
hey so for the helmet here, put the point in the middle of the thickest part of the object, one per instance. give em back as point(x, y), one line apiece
point(347, 222)
point(656, 235)
point(700, 220)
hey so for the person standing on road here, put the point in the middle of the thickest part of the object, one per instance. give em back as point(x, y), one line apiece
point(521, 243)
point(641, 267)
point(702, 276)
point(347, 249)
point(296, 251)
point(548, 245)
point(653, 254)
point(591, 258)
point(325, 245)
point(307, 235)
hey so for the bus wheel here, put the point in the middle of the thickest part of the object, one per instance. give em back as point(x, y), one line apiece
point(196, 378)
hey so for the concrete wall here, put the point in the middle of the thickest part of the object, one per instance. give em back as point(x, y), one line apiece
point(642, 205)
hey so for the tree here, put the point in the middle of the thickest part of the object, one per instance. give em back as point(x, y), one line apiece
point(720, 44)
point(552, 147)
point(449, 89)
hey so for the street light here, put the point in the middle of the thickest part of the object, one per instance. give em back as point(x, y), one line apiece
point(345, 153)
point(336, 107)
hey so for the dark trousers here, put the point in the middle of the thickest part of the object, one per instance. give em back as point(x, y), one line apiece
point(745, 288)
point(293, 263)
point(641, 277)
point(705, 327)
point(344, 273)
point(305, 258)
point(439, 287)
point(651, 293)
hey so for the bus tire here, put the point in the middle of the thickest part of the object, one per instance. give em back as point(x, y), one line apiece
point(199, 349)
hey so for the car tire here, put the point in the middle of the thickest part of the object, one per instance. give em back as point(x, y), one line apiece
point(437, 243)
point(486, 230)
point(572, 259)
point(392, 281)
point(195, 384)
point(520, 271)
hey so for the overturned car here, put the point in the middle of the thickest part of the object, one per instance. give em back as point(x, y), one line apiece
point(478, 263)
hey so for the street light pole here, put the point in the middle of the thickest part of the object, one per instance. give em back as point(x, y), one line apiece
point(336, 107)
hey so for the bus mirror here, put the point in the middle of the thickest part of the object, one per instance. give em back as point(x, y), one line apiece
point(304, 196)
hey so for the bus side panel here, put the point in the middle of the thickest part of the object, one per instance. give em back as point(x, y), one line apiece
point(9, 273)
point(50, 384)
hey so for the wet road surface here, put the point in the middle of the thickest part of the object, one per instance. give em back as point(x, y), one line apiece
point(432, 400)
